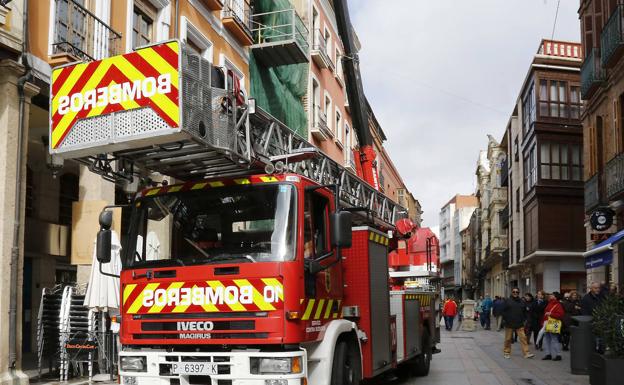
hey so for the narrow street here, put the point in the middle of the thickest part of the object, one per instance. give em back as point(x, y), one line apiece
point(475, 358)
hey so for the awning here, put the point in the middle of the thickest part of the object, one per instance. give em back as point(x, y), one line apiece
point(602, 253)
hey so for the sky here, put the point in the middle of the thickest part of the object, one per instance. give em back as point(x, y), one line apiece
point(442, 74)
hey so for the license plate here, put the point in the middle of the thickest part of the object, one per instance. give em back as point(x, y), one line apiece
point(194, 368)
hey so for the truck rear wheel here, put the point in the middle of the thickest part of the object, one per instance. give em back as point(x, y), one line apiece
point(346, 368)
point(423, 361)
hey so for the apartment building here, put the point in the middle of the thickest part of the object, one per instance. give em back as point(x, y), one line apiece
point(602, 89)
point(454, 217)
point(544, 166)
point(492, 195)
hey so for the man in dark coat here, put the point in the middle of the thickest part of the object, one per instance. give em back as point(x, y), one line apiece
point(497, 311)
point(591, 299)
point(514, 316)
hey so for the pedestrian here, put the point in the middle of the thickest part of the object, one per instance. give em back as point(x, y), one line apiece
point(514, 316)
point(449, 311)
point(553, 317)
point(497, 311)
point(486, 308)
point(477, 309)
point(572, 307)
point(536, 313)
point(591, 299)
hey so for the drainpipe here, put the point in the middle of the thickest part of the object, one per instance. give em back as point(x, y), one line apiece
point(15, 250)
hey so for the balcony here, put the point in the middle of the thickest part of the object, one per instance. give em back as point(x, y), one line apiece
point(320, 130)
point(79, 35)
point(236, 17)
point(614, 177)
point(350, 163)
point(498, 243)
point(592, 193)
point(214, 5)
point(504, 174)
point(504, 217)
point(280, 38)
point(319, 51)
point(592, 74)
point(612, 38)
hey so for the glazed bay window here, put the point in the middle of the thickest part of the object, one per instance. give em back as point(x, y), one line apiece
point(528, 109)
point(143, 23)
point(559, 99)
point(530, 170)
point(560, 161)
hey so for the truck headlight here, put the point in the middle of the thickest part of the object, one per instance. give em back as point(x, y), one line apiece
point(133, 364)
point(281, 365)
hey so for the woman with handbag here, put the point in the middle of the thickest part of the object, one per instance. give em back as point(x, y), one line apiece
point(553, 316)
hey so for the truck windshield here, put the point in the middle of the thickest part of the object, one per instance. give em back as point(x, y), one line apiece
point(225, 224)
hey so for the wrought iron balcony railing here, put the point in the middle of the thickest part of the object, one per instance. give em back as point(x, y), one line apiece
point(81, 34)
point(592, 192)
point(612, 36)
point(319, 50)
point(592, 73)
point(614, 176)
point(238, 11)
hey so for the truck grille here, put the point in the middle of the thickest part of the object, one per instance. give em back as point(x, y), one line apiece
point(218, 325)
point(224, 336)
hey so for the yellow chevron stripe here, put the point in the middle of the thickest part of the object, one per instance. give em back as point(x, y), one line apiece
point(156, 308)
point(242, 181)
point(328, 309)
point(275, 283)
point(335, 315)
point(173, 45)
point(268, 179)
point(199, 186)
point(127, 291)
point(308, 310)
point(153, 191)
point(68, 84)
point(233, 307)
point(160, 64)
point(258, 298)
point(216, 184)
point(175, 188)
point(319, 308)
point(371, 236)
point(138, 302)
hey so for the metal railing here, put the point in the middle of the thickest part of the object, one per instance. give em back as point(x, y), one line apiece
point(319, 44)
point(592, 73)
point(612, 36)
point(614, 176)
point(240, 11)
point(319, 121)
point(78, 32)
point(592, 192)
point(279, 26)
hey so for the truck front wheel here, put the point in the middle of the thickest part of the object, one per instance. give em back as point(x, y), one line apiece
point(346, 368)
point(423, 361)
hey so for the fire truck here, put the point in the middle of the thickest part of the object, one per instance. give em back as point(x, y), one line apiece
point(252, 257)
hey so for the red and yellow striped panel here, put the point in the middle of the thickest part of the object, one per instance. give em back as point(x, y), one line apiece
point(230, 295)
point(320, 308)
point(205, 185)
point(147, 77)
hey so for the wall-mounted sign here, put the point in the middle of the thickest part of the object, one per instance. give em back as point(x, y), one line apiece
point(601, 219)
point(599, 237)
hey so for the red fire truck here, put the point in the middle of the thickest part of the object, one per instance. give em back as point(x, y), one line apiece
point(262, 261)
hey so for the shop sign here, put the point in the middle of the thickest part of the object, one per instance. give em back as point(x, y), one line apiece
point(599, 237)
point(601, 219)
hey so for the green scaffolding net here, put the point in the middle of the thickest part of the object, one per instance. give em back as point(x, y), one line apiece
point(280, 90)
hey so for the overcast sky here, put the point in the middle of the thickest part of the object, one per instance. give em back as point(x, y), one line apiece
point(442, 74)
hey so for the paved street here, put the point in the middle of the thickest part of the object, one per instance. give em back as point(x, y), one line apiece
point(476, 358)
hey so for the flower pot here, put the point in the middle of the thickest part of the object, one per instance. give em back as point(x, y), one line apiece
point(604, 370)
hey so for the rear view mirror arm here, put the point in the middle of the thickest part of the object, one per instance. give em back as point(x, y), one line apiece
point(105, 273)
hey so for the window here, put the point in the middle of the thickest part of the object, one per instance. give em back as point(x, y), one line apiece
point(328, 110)
point(338, 127)
point(228, 64)
point(530, 170)
point(516, 149)
point(328, 47)
point(554, 101)
point(517, 250)
point(528, 109)
point(560, 161)
point(349, 150)
point(143, 23)
point(196, 40)
point(68, 194)
point(316, 227)
point(71, 24)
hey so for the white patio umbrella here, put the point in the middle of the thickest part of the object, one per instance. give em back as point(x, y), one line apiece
point(103, 291)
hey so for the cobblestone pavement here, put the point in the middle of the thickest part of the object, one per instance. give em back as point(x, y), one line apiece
point(476, 358)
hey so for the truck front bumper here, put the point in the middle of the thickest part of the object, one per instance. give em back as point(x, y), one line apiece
point(233, 368)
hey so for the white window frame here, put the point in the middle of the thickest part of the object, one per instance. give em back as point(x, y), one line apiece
point(328, 111)
point(348, 143)
point(162, 22)
point(228, 64)
point(188, 31)
point(339, 120)
point(328, 42)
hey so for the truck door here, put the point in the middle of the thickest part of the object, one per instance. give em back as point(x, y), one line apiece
point(324, 287)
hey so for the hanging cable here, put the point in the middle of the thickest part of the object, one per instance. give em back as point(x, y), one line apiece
point(552, 36)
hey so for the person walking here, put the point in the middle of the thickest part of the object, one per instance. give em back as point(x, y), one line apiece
point(514, 316)
point(553, 316)
point(572, 307)
point(591, 299)
point(536, 313)
point(477, 310)
point(497, 312)
point(486, 309)
point(449, 311)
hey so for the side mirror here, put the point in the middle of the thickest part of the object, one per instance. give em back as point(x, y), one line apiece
point(104, 237)
point(340, 225)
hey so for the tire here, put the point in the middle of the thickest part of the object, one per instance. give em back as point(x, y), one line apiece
point(423, 361)
point(346, 367)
